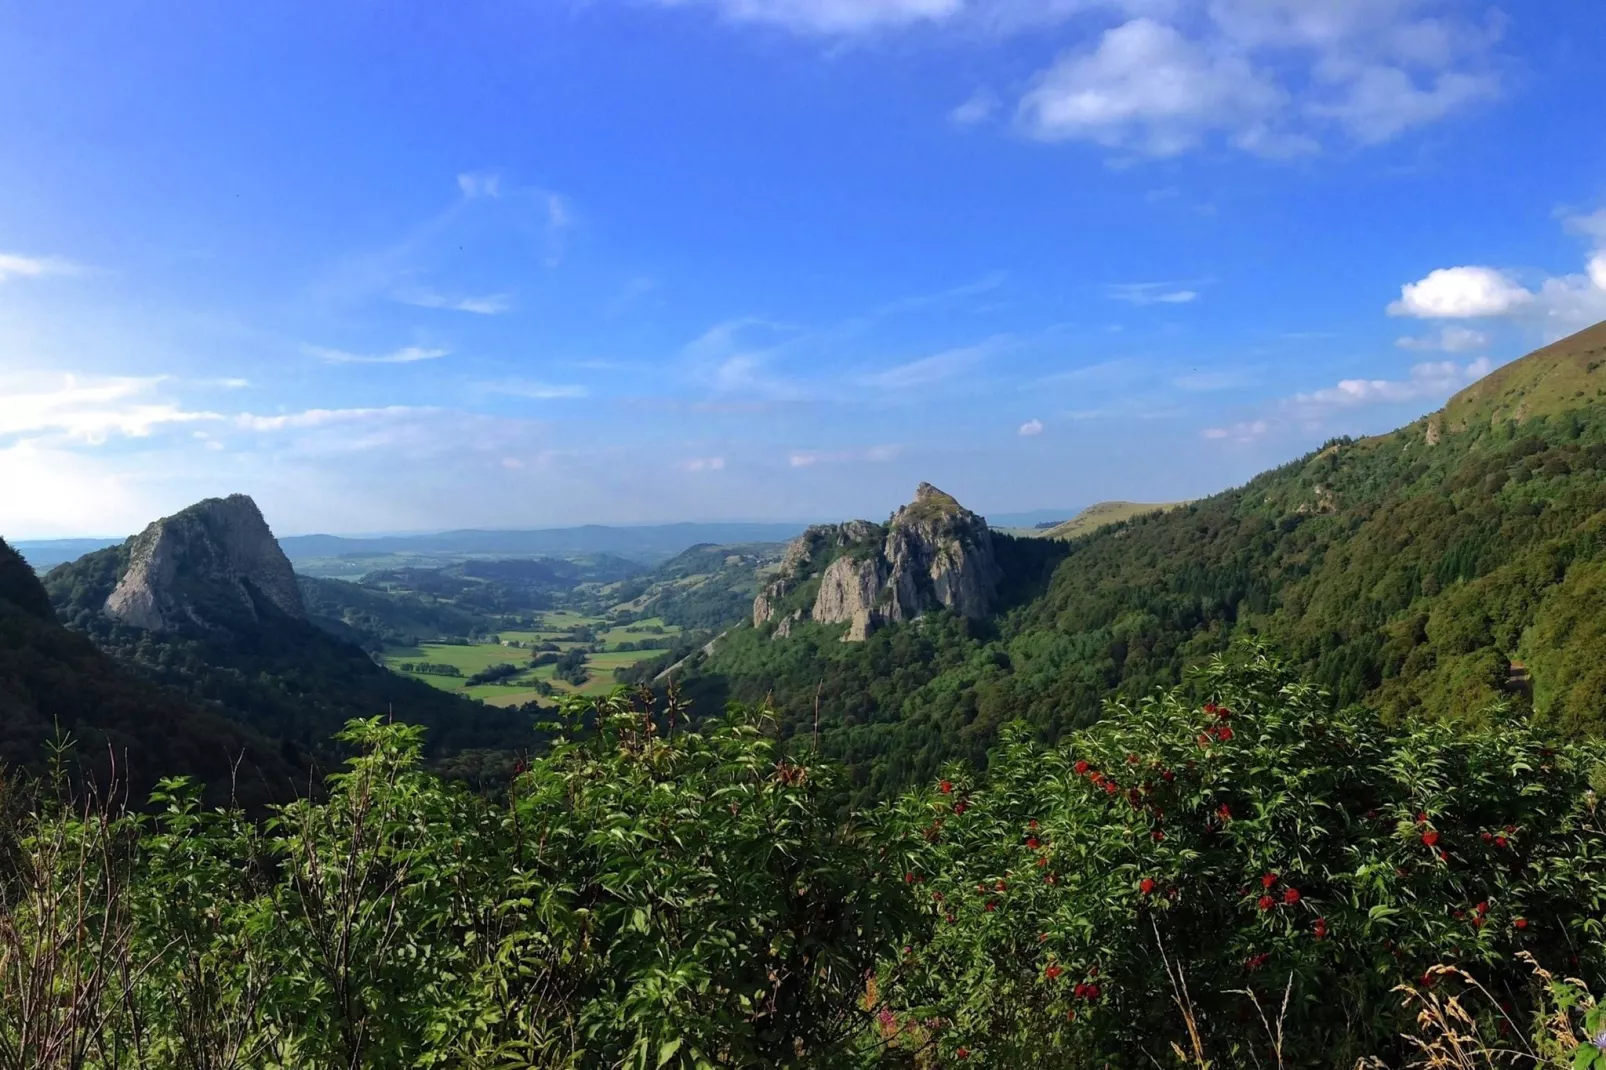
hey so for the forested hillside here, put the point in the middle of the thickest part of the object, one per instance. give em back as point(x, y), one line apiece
point(55, 686)
point(1453, 563)
point(278, 675)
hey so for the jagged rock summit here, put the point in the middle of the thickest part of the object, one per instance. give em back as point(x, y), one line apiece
point(933, 554)
point(213, 564)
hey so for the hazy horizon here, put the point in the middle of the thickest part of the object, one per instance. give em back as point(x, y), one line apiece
point(632, 261)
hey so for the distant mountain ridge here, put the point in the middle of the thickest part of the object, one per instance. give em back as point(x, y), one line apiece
point(651, 544)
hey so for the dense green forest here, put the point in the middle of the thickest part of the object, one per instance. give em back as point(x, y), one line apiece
point(1247, 880)
point(1430, 571)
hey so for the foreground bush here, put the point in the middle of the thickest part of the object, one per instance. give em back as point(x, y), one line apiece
point(641, 898)
point(1247, 881)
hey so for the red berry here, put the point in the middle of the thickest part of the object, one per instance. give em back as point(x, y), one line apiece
point(1482, 908)
point(1031, 842)
point(1157, 835)
point(1146, 885)
point(1320, 928)
point(1032, 824)
point(1224, 812)
point(1430, 837)
point(946, 787)
point(991, 906)
point(1499, 841)
point(1224, 734)
point(961, 806)
point(999, 886)
point(908, 878)
point(1521, 923)
point(1204, 740)
point(1110, 787)
point(1266, 902)
point(1268, 879)
point(1167, 775)
point(1290, 896)
point(1486, 837)
point(1092, 991)
point(1422, 817)
point(962, 1053)
point(1131, 759)
point(1042, 861)
point(1052, 972)
point(1080, 767)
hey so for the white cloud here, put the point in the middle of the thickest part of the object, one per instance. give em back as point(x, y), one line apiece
point(1434, 379)
point(1559, 305)
point(408, 355)
point(830, 16)
point(1446, 340)
point(1150, 293)
point(14, 265)
point(1148, 88)
point(1382, 102)
point(1461, 293)
point(489, 305)
point(1031, 427)
point(979, 108)
point(703, 464)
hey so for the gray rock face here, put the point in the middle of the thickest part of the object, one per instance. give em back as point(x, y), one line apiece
point(202, 565)
point(934, 554)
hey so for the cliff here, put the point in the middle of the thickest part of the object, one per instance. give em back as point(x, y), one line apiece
point(213, 564)
point(933, 554)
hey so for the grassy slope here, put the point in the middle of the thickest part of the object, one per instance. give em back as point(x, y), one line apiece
point(1097, 516)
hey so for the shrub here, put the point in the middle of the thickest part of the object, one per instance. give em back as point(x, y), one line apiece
point(1216, 877)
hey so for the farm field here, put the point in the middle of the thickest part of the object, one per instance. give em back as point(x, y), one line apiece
point(557, 627)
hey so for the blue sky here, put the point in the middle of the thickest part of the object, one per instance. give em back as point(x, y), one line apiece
point(404, 267)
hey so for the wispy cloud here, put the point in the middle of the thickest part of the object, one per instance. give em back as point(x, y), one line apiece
point(1447, 340)
point(702, 464)
point(89, 410)
point(977, 109)
point(488, 305)
point(408, 355)
point(872, 455)
point(1433, 379)
point(475, 185)
point(1152, 293)
point(1031, 427)
point(15, 266)
point(933, 369)
point(311, 418)
point(535, 390)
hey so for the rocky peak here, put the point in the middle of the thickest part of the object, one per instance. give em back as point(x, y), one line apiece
point(934, 554)
point(213, 564)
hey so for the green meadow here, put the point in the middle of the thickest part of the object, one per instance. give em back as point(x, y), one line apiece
point(557, 627)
